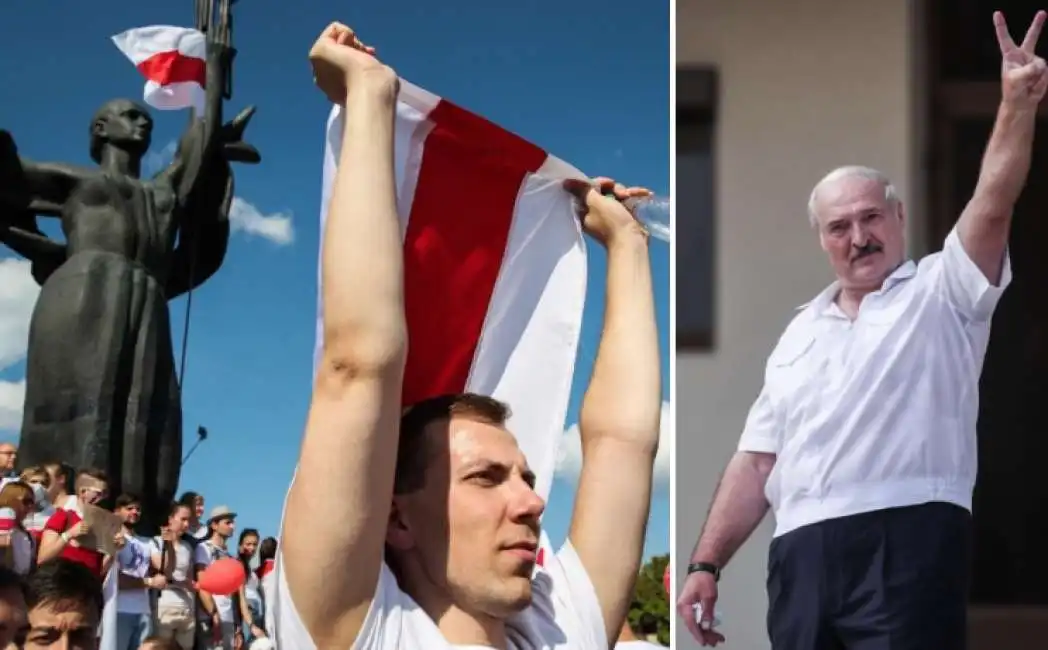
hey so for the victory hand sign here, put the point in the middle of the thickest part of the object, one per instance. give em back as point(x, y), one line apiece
point(1024, 75)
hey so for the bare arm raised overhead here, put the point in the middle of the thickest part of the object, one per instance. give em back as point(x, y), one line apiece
point(619, 422)
point(985, 223)
point(332, 549)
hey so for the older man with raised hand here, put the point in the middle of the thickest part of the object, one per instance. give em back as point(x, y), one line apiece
point(863, 439)
point(433, 541)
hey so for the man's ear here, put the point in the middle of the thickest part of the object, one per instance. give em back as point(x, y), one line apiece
point(398, 532)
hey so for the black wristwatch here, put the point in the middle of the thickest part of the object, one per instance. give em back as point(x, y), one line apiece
point(712, 569)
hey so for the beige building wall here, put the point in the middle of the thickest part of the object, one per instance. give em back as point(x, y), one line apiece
point(805, 85)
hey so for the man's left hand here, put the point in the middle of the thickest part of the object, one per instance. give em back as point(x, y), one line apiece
point(1024, 75)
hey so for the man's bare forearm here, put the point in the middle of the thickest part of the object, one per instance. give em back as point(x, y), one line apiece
point(738, 507)
point(1006, 161)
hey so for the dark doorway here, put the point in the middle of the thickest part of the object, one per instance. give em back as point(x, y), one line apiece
point(1011, 497)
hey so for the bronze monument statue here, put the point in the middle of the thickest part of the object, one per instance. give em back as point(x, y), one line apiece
point(101, 383)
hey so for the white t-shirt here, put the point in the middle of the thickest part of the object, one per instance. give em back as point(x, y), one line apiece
point(224, 604)
point(186, 556)
point(638, 645)
point(134, 601)
point(564, 614)
point(269, 595)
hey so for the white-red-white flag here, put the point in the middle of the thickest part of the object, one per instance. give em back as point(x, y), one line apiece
point(173, 61)
point(494, 266)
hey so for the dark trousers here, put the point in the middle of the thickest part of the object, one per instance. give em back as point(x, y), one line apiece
point(894, 579)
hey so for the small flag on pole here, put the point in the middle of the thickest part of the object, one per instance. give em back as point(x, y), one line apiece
point(174, 62)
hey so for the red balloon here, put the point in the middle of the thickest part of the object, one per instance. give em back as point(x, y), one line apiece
point(223, 578)
point(666, 580)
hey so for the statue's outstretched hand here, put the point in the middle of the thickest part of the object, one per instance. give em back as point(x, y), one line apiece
point(234, 149)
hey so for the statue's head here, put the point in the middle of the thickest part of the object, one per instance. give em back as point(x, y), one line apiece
point(123, 124)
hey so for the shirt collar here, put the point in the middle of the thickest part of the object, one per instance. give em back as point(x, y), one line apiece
point(825, 301)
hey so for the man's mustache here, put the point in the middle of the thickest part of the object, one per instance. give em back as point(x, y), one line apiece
point(869, 248)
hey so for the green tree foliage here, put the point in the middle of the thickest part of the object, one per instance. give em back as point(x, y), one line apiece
point(650, 610)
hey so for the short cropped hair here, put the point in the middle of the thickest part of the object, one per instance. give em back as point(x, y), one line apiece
point(92, 474)
point(64, 585)
point(413, 452)
point(126, 499)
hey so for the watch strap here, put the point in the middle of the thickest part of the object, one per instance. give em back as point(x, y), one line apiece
point(713, 569)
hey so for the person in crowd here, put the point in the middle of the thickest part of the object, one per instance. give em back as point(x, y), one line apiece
point(36, 475)
point(8, 459)
point(63, 601)
point(62, 476)
point(267, 553)
point(197, 526)
point(17, 548)
point(12, 609)
point(863, 439)
point(178, 560)
point(433, 541)
point(221, 622)
point(158, 643)
point(66, 530)
point(39, 479)
point(251, 605)
point(134, 611)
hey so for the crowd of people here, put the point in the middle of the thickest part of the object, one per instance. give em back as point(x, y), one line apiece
point(53, 564)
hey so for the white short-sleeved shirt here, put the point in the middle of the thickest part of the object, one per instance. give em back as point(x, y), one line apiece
point(879, 412)
point(564, 614)
point(224, 604)
point(134, 562)
point(186, 557)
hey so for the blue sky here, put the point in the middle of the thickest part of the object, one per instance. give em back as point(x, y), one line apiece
point(589, 84)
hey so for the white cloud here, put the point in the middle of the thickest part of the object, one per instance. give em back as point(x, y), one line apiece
point(569, 460)
point(244, 217)
point(276, 226)
point(18, 292)
point(12, 397)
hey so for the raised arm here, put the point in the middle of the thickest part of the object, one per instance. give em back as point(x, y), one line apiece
point(619, 422)
point(41, 188)
point(985, 224)
point(331, 550)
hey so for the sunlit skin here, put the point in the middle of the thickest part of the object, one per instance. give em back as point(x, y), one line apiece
point(470, 537)
point(853, 215)
point(225, 527)
point(12, 615)
point(178, 522)
point(249, 546)
point(130, 513)
point(8, 456)
point(57, 485)
point(93, 493)
point(68, 627)
point(199, 508)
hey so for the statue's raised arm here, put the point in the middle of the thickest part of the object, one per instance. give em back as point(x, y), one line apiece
point(200, 172)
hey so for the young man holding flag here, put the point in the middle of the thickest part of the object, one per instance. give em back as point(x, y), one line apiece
point(435, 541)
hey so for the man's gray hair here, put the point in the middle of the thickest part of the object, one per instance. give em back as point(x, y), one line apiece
point(850, 171)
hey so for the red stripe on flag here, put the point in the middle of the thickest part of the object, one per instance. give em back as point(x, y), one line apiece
point(173, 67)
point(461, 214)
